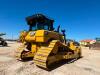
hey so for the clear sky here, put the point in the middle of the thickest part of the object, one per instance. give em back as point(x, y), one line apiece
point(80, 18)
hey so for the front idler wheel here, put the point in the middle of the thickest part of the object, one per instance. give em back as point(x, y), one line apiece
point(23, 55)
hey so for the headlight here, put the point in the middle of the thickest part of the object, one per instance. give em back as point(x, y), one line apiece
point(32, 33)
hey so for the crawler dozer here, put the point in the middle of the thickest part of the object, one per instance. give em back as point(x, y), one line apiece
point(2, 41)
point(45, 44)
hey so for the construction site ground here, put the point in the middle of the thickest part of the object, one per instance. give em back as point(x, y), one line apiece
point(89, 64)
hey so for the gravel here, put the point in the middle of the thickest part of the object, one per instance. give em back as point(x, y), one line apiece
point(89, 64)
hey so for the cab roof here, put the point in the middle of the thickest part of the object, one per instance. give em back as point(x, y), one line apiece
point(37, 18)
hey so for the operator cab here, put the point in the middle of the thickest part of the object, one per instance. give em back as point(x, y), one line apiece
point(39, 22)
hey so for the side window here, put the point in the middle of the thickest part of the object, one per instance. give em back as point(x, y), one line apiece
point(46, 27)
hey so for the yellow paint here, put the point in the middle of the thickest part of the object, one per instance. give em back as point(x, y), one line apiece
point(72, 46)
point(34, 48)
point(41, 48)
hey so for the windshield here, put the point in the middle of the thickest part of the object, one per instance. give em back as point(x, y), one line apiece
point(39, 26)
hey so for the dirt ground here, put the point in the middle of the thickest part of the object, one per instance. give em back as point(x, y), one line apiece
point(89, 64)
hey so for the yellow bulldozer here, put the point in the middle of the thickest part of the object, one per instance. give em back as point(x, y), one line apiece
point(45, 44)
